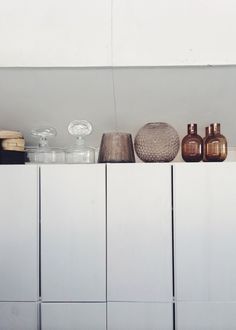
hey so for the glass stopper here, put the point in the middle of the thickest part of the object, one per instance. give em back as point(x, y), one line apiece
point(43, 133)
point(80, 128)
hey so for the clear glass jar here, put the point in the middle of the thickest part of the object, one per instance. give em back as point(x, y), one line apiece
point(44, 153)
point(80, 153)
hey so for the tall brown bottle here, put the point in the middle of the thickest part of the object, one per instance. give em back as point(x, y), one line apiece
point(192, 145)
point(216, 145)
point(208, 132)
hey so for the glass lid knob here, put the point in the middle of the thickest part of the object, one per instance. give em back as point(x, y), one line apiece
point(80, 128)
point(44, 132)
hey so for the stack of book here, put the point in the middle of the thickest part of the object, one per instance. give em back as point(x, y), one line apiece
point(12, 147)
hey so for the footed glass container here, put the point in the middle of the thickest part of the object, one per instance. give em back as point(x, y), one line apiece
point(80, 153)
point(44, 153)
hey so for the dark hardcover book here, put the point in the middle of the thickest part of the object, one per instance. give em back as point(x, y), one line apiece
point(12, 157)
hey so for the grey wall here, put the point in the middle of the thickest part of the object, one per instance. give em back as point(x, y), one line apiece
point(32, 97)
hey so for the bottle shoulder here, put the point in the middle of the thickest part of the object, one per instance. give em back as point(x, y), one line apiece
point(216, 138)
point(192, 138)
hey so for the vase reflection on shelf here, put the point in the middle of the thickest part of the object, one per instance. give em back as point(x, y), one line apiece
point(157, 142)
point(116, 147)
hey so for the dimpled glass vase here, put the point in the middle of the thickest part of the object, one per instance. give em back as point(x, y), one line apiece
point(157, 142)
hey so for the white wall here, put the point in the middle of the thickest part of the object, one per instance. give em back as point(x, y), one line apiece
point(117, 32)
point(33, 97)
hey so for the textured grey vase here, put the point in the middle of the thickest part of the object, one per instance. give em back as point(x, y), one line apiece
point(116, 148)
point(157, 142)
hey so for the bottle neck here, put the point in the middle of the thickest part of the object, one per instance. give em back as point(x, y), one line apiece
point(216, 128)
point(208, 131)
point(43, 142)
point(192, 129)
point(80, 141)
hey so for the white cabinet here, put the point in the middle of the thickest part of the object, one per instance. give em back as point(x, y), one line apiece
point(55, 33)
point(140, 316)
point(167, 32)
point(139, 252)
point(18, 316)
point(205, 213)
point(73, 232)
point(74, 316)
point(77, 33)
point(19, 233)
point(206, 316)
point(128, 225)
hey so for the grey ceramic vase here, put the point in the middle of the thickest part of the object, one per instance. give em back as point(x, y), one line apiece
point(157, 142)
point(116, 148)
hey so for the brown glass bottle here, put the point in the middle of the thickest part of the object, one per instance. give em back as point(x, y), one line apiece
point(192, 145)
point(208, 132)
point(216, 145)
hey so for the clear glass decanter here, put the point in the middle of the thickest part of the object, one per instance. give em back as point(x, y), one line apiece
point(80, 153)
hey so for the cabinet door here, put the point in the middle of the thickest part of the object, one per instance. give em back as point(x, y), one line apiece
point(19, 233)
point(167, 32)
point(75, 316)
point(18, 316)
point(55, 33)
point(206, 316)
point(139, 232)
point(140, 316)
point(205, 213)
point(73, 232)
